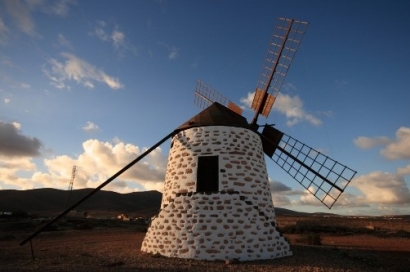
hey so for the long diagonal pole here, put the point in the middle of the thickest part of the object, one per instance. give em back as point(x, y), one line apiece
point(99, 187)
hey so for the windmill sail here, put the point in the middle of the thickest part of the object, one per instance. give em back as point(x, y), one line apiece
point(322, 176)
point(206, 95)
point(283, 45)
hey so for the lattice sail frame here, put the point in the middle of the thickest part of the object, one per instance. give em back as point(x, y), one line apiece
point(322, 176)
point(206, 95)
point(282, 48)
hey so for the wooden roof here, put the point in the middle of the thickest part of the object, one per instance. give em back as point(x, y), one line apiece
point(216, 115)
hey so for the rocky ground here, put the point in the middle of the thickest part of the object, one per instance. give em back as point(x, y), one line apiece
point(117, 249)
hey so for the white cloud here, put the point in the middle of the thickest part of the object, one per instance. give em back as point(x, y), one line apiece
point(25, 86)
point(4, 31)
point(59, 8)
point(21, 16)
point(11, 168)
point(280, 200)
point(21, 13)
point(55, 7)
point(399, 149)
point(78, 70)
point(113, 35)
point(64, 42)
point(99, 161)
point(118, 38)
point(291, 107)
point(99, 31)
point(395, 149)
point(90, 127)
point(247, 101)
point(308, 199)
point(366, 142)
point(7, 100)
point(382, 188)
point(173, 52)
point(403, 171)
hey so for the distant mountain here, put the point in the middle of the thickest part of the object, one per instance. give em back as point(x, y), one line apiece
point(53, 200)
point(283, 211)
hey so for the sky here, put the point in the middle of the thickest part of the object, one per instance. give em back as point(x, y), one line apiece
point(95, 83)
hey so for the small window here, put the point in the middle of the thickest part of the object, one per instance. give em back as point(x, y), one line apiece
point(207, 174)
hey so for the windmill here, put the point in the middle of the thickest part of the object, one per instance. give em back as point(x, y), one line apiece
point(216, 200)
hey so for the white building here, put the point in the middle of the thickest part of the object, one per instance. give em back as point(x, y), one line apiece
point(216, 202)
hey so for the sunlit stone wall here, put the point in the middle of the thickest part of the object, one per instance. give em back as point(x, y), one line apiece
point(238, 222)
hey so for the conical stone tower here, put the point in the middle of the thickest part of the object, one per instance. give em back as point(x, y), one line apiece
point(216, 202)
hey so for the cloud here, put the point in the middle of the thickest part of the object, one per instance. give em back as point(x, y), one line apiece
point(11, 168)
point(280, 200)
point(21, 13)
point(15, 144)
point(398, 149)
point(113, 35)
point(25, 86)
point(99, 31)
point(278, 187)
point(7, 100)
point(367, 143)
point(395, 149)
point(60, 8)
point(118, 38)
point(247, 100)
point(62, 41)
point(382, 188)
point(99, 161)
point(4, 31)
point(21, 16)
point(173, 52)
point(78, 70)
point(55, 7)
point(291, 107)
point(403, 171)
point(90, 127)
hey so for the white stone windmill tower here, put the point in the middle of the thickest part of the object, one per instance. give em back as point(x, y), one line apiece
point(216, 201)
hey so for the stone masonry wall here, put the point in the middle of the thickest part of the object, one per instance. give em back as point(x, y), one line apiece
point(236, 222)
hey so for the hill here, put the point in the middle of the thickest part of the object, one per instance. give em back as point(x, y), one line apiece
point(53, 200)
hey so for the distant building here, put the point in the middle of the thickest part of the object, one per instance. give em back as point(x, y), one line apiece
point(123, 217)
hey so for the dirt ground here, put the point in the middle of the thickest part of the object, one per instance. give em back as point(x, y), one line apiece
point(118, 250)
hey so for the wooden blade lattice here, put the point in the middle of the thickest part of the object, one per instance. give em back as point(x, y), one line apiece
point(284, 43)
point(206, 95)
point(322, 176)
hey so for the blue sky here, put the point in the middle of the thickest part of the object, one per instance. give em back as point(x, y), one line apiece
point(94, 83)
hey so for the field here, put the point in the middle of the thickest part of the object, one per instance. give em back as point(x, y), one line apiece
point(318, 244)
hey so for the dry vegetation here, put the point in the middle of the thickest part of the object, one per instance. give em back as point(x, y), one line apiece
point(318, 243)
